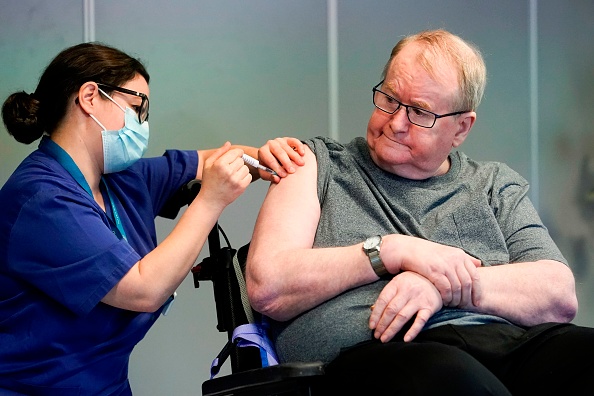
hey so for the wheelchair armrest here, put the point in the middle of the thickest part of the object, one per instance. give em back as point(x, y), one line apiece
point(266, 380)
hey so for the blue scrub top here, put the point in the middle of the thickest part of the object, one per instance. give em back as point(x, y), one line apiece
point(59, 258)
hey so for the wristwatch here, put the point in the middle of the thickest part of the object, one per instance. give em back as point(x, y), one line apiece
point(371, 247)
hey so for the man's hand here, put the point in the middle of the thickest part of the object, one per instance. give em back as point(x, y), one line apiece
point(452, 271)
point(281, 155)
point(408, 294)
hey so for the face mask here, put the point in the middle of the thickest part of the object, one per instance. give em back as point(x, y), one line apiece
point(123, 147)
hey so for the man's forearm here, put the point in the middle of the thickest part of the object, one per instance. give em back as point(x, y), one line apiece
point(528, 293)
point(288, 283)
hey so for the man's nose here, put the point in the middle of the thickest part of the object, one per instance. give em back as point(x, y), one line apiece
point(399, 119)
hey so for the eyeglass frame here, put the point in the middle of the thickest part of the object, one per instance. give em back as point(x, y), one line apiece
point(400, 104)
point(144, 98)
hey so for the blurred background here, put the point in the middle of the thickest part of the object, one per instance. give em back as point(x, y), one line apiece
point(249, 71)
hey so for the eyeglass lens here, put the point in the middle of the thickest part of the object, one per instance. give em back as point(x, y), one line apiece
point(390, 105)
point(143, 109)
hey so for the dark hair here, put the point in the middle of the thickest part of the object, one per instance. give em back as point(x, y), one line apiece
point(28, 116)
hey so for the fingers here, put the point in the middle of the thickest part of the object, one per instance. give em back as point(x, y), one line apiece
point(463, 284)
point(444, 285)
point(407, 296)
point(476, 282)
point(477, 289)
point(377, 310)
point(298, 150)
point(234, 159)
point(229, 162)
point(265, 175)
point(422, 317)
point(225, 176)
point(473, 291)
point(394, 318)
point(464, 295)
point(218, 152)
point(452, 271)
point(281, 155)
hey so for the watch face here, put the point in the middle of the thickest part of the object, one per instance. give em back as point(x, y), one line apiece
point(372, 242)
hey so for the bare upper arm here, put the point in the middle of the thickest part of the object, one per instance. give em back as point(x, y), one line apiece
point(289, 216)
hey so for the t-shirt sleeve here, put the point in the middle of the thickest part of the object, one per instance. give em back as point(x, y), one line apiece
point(320, 150)
point(526, 236)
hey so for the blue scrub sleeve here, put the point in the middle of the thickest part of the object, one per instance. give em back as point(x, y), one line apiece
point(165, 176)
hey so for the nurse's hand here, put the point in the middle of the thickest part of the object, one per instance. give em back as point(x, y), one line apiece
point(225, 177)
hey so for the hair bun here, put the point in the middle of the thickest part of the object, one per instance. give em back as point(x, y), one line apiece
point(20, 115)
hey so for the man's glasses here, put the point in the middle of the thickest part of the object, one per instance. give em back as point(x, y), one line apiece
point(421, 117)
point(142, 110)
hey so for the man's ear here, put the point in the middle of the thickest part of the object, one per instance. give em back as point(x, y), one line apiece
point(87, 98)
point(465, 123)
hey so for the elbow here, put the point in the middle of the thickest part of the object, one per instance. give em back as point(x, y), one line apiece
point(134, 299)
point(148, 304)
point(264, 300)
point(256, 295)
point(272, 305)
point(149, 299)
point(566, 303)
point(152, 306)
point(566, 309)
point(266, 296)
point(135, 305)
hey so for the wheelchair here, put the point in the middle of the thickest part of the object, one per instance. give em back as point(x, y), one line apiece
point(224, 267)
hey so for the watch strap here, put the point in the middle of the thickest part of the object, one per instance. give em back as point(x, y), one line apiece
point(372, 249)
point(376, 263)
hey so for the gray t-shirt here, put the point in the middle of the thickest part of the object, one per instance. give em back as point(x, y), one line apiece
point(480, 207)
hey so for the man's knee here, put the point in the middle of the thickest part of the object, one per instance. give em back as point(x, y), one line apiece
point(411, 368)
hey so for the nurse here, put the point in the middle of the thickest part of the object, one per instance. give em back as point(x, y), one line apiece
point(81, 276)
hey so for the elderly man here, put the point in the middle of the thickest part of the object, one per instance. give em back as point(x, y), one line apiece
point(409, 267)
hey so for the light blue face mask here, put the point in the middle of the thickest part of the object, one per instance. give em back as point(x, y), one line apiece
point(123, 147)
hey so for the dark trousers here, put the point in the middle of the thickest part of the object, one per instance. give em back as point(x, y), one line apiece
point(491, 359)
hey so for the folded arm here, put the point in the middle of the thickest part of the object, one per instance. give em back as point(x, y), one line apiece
point(529, 293)
point(286, 276)
point(524, 293)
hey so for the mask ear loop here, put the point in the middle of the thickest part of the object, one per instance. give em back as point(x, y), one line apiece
point(97, 121)
point(110, 98)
